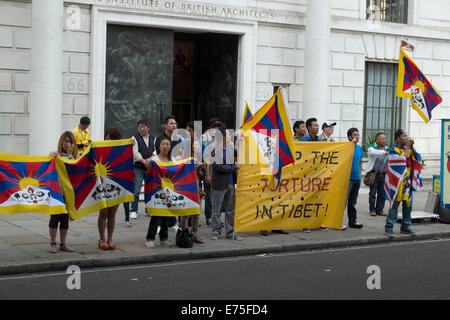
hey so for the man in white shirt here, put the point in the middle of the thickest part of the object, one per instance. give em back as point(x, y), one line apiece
point(377, 159)
point(327, 131)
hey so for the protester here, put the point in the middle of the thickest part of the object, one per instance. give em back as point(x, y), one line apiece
point(313, 129)
point(82, 134)
point(208, 136)
point(107, 216)
point(170, 132)
point(299, 129)
point(196, 151)
point(163, 154)
point(355, 179)
point(67, 148)
point(377, 154)
point(143, 147)
point(327, 131)
point(408, 160)
point(222, 188)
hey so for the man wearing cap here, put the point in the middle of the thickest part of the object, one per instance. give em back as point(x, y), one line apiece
point(327, 131)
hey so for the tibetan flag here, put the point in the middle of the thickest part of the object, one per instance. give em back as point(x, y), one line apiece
point(406, 46)
point(29, 184)
point(413, 84)
point(103, 177)
point(403, 175)
point(272, 136)
point(171, 188)
point(248, 115)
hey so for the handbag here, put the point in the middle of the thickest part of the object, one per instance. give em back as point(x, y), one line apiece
point(369, 179)
point(184, 238)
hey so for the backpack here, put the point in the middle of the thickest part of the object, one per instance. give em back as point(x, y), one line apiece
point(184, 238)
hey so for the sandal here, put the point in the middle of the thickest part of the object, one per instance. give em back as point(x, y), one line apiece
point(111, 246)
point(102, 245)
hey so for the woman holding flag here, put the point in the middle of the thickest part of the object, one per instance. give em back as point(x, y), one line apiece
point(163, 154)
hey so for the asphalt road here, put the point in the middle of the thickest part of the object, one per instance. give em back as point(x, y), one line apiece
point(418, 270)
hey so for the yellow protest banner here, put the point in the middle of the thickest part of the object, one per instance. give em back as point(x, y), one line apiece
point(312, 192)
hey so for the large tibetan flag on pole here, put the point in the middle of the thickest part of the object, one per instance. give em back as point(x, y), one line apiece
point(29, 184)
point(413, 84)
point(248, 115)
point(101, 178)
point(171, 188)
point(272, 136)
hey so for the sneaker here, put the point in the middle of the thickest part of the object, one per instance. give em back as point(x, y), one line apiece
point(174, 228)
point(235, 237)
point(344, 227)
point(133, 215)
point(158, 229)
point(163, 243)
point(63, 247)
point(409, 231)
point(208, 222)
point(307, 230)
point(389, 232)
point(53, 248)
point(324, 228)
point(150, 244)
point(215, 238)
point(373, 213)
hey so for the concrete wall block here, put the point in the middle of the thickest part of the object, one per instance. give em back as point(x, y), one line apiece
point(21, 125)
point(446, 68)
point(294, 109)
point(283, 39)
point(269, 56)
point(5, 81)
point(442, 84)
point(431, 67)
point(75, 84)
point(79, 63)
point(15, 14)
point(341, 95)
point(335, 78)
point(343, 61)
point(440, 51)
point(354, 79)
point(354, 44)
point(337, 42)
point(263, 92)
point(345, 5)
point(360, 62)
point(282, 75)
point(358, 96)
point(301, 40)
point(77, 20)
point(69, 122)
point(12, 103)
point(16, 60)
point(296, 93)
point(391, 45)
point(334, 112)
point(299, 75)
point(22, 82)
point(81, 105)
point(423, 50)
point(262, 73)
point(76, 41)
point(14, 144)
point(296, 59)
point(5, 124)
point(430, 130)
point(67, 104)
point(380, 44)
point(6, 37)
point(369, 44)
point(263, 38)
point(23, 38)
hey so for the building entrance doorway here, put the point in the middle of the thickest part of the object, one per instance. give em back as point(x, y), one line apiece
point(152, 73)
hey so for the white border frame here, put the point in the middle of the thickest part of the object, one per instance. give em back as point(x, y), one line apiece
point(102, 16)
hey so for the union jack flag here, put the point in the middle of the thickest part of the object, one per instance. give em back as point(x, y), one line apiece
point(396, 173)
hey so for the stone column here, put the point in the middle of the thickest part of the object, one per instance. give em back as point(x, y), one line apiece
point(317, 50)
point(45, 98)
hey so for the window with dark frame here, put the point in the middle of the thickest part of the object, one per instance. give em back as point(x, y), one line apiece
point(382, 107)
point(387, 10)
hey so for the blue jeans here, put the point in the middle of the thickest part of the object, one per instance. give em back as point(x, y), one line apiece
point(220, 199)
point(391, 218)
point(139, 176)
point(352, 197)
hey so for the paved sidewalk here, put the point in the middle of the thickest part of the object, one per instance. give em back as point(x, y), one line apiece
point(24, 240)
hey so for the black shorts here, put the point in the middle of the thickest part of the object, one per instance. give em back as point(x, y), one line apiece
point(62, 219)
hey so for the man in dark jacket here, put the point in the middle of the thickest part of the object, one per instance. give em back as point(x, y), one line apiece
point(222, 187)
point(143, 147)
